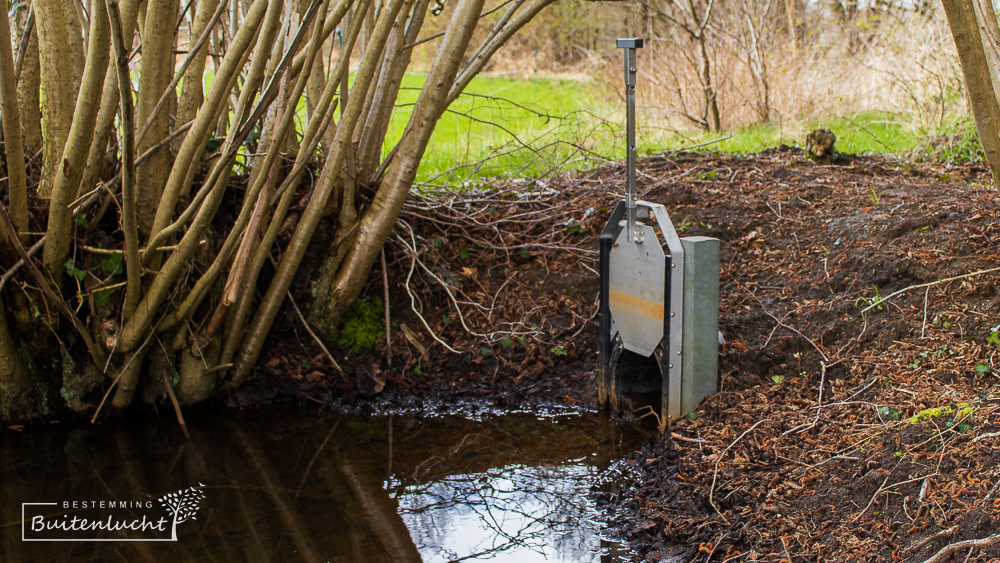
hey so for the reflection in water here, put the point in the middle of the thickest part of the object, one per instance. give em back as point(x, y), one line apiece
point(290, 486)
point(526, 513)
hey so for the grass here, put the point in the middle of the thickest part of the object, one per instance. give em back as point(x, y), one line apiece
point(521, 127)
point(866, 133)
point(503, 126)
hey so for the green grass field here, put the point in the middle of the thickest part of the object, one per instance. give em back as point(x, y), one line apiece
point(504, 126)
point(867, 133)
point(520, 127)
point(511, 127)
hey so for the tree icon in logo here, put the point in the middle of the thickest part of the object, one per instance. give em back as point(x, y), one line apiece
point(182, 505)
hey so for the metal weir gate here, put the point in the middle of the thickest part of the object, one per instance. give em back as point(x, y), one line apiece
point(659, 300)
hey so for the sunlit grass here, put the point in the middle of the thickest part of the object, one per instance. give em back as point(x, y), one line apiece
point(509, 127)
point(503, 126)
point(521, 127)
point(866, 133)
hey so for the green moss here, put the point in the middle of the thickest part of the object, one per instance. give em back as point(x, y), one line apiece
point(361, 326)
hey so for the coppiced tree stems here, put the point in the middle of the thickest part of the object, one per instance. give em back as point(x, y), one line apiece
point(190, 299)
point(378, 221)
point(193, 146)
point(208, 14)
point(264, 318)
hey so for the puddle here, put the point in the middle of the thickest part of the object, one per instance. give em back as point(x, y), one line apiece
point(283, 485)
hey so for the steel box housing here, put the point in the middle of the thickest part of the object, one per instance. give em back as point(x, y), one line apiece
point(659, 299)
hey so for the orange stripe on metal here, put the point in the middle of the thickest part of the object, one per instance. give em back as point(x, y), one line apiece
point(633, 305)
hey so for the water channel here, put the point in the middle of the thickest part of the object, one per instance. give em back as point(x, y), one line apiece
point(301, 485)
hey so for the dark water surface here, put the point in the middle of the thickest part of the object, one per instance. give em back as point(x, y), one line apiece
point(296, 485)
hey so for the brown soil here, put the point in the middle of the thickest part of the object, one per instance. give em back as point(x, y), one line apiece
point(813, 448)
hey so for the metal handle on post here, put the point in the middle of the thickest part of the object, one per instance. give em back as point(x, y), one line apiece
point(630, 45)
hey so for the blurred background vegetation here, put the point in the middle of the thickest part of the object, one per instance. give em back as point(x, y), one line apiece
point(730, 76)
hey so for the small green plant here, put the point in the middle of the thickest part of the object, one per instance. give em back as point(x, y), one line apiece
point(525, 254)
point(112, 264)
point(874, 196)
point(506, 343)
point(982, 369)
point(943, 351)
point(102, 296)
point(558, 351)
point(72, 270)
point(692, 415)
point(875, 301)
point(889, 413)
point(915, 363)
point(485, 351)
point(574, 227)
point(418, 371)
point(993, 338)
point(361, 326)
point(940, 321)
point(683, 226)
point(778, 379)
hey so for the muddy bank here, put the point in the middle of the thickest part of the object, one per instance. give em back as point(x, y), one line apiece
point(849, 425)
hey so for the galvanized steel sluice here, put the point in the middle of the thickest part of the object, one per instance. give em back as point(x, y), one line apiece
point(659, 299)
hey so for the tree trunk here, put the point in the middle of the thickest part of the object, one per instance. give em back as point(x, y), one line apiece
point(13, 139)
point(713, 117)
point(66, 184)
point(979, 72)
point(60, 48)
point(27, 85)
point(192, 89)
point(157, 71)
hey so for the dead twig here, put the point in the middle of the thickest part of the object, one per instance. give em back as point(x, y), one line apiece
point(933, 537)
point(388, 323)
point(176, 404)
point(315, 338)
point(945, 553)
point(928, 284)
point(715, 475)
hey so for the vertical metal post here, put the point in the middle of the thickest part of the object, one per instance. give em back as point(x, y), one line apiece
point(630, 45)
point(604, 338)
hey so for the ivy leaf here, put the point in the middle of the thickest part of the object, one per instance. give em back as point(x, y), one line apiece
point(112, 263)
point(983, 369)
point(72, 270)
